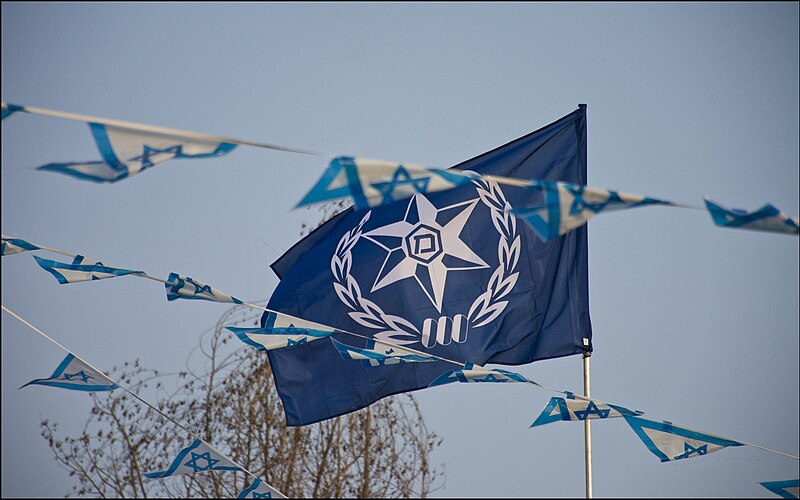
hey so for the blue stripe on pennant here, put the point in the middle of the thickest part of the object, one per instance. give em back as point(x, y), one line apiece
point(106, 149)
point(356, 190)
point(780, 487)
point(321, 191)
point(175, 463)
point(10, 109)
point(250, 488)
point(51, 266)
point(73, 386)
point(639, 424)
point(244, 338)
point(64, 168)
point(547, 416)
point(18, 243)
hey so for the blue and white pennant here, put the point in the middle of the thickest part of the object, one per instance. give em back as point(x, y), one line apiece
point(197, 457)
point(475, 373)
point(127, 151)
point(575, 409)
point(184, 287)
point(568, 206)
point(259, 489)
point(11, 246)
point(767, 218)
point(82, 269)
point(281, 330)
point(75, 374)
point(379, 354)
point(372, 183)
point(670, 442)
point(784, 489)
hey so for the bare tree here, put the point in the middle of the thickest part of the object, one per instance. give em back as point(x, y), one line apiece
point(380, 451)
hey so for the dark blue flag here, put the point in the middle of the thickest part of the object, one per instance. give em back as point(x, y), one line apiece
point(452, 274)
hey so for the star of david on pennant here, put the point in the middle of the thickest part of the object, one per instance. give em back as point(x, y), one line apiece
point(81, 375)
point(149, 152)
point(401, 178)
point(592, 409)
point(421, 247)
point(202, 456)
point(689, 450)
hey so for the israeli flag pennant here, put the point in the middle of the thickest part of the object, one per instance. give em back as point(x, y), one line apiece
point(475, 373)
point(669, 442)
point(280, 331)
point(785, 489)
point(574, 409)
point(183, 287)
point(372, 183)
point(10, 245)
point(81, 269)
point(74, 374)
point(197, 457)
point(384, 354)
point(766, 218)
point(10, 109)
point(260, 489)
point(127, 151)
point(563, 207)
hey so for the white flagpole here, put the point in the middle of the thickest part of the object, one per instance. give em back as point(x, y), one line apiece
point(587, 427)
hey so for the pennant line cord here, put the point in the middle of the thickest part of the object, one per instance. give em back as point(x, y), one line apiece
point(164, 130)
point(170, 419)
point(209, 137)
point(391, 344)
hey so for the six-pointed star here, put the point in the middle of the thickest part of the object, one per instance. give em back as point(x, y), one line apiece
point(426, 245)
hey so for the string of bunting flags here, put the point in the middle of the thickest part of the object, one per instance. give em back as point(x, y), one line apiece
point(548, 191)
point(554, 209)
point(76, 374)
point(664, 439)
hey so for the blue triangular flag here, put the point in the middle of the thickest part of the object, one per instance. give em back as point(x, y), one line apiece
point(197, 457)
point(76, 375)
point(81, 269)
point(127, 151)
point(670, 442)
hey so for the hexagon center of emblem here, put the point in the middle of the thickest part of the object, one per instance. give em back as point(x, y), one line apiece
point(423, 243)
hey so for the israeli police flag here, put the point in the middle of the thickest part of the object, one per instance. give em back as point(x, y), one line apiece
point(11, 246)
point(73, 373)
point(766, 218)
point(281, 331)
point(197, 457)
point(81, 269)
point(449, 273)
point(669, 442)
point(127, 151)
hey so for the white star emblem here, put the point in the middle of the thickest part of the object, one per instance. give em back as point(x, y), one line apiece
point(421, 247)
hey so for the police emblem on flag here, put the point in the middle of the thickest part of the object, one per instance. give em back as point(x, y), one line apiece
point(427, 250)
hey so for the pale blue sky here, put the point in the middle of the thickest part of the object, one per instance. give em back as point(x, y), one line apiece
point(692, 323)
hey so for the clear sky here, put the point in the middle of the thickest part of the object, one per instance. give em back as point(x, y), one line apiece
point(692, 323)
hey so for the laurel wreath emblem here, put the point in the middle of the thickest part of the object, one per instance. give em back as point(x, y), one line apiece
point(486, 307)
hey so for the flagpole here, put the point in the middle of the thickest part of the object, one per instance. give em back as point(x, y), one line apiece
point(587, 426)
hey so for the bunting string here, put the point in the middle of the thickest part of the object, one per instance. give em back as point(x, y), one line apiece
point(150, 406)
point(129, 148)
point(284, 330)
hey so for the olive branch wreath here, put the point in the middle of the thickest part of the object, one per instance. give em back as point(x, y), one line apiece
point(486, 307)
